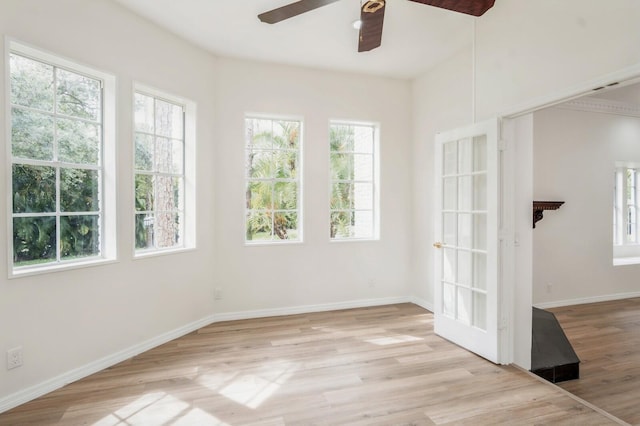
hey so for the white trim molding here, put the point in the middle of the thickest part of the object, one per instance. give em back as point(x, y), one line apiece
point(585, 300)
point(422, 303)
point(307, 309)
point(603, 106)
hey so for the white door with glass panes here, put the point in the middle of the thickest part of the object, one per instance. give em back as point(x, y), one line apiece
point(467, 245)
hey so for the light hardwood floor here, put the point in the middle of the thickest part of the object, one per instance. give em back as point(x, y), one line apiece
point(606, 337)
point(370, 366)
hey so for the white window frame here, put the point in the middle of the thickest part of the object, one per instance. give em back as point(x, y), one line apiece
point(189, 172)
point(107, 166)
point(626, 214)
point(375, 181)
point(298, 180)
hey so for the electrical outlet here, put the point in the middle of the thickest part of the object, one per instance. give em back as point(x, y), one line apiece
point(14, 358)
point(217, 294)
point(549, 288)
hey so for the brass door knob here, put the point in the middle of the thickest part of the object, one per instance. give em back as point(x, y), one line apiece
point(437, 245)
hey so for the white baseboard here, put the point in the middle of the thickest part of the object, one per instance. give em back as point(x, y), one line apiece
point(584, 300)
point(63, 379)
point(305, 309)
point(422, 303)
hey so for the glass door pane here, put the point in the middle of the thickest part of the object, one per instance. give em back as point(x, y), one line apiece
point(464, 230)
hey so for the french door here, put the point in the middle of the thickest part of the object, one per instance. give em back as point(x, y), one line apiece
point(467, 248)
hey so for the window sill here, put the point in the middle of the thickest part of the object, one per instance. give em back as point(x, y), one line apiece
point(165, 252)
point(621, 261)
point(58, 267)
point(272, 243)
point(354, 240)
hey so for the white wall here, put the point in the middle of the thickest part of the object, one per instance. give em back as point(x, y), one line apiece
point(317, 271)
point(525, 50)
point(71, 322)
point(441, 101)
point(574, 157)
point(528, 49)
point(65, 320)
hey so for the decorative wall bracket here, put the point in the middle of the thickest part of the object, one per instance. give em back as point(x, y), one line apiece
point(540, 206)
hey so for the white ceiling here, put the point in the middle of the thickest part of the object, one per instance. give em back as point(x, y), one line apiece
point(415, 37)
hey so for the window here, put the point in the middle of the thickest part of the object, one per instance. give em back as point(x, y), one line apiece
point(354, 182)
point(159, 164)
point(272, 180)
point(58, 128)
point(626, 207)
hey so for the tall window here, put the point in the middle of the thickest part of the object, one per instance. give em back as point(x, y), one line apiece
point(626, 206)
point(272, 180)
point(57, 162)
point(626, 209)
point(354, 192)
point(159, 173)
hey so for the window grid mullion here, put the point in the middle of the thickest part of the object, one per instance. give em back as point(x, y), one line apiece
point(351, 181)
point(635, 205)
point(101, 162)
point(154, 182)
point(57, 165)
point(159, 174)
point(630, 204)
point(625, 208)
point(55, 114)
point(183, 181)
point(619, 191)
point(58, 232)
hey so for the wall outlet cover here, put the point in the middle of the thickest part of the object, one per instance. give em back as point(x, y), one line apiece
point(14, 358)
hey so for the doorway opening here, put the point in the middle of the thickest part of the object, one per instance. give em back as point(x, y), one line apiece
point(568, 151)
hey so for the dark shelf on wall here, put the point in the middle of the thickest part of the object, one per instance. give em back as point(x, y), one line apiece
point(540, 206)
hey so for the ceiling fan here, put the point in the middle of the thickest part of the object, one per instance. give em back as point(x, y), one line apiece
point(372, 15)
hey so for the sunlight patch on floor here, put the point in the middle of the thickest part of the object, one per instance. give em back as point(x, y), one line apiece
point(159, 408)
point(198, 417)
point(393, 340)
point(215, 381)
point(252, 390)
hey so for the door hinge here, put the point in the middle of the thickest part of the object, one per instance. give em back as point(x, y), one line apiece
point(502, 144)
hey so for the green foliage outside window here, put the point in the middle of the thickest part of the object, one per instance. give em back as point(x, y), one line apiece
point(351, 172)
point(56, 138)
point(159, 177)
point(273, 149)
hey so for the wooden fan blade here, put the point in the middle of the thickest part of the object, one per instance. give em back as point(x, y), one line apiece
point(470, 7)
point(291, 10)
point(371, 18)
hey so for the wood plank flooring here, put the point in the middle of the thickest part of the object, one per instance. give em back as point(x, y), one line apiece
point(371, 366)
point(606, 337)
